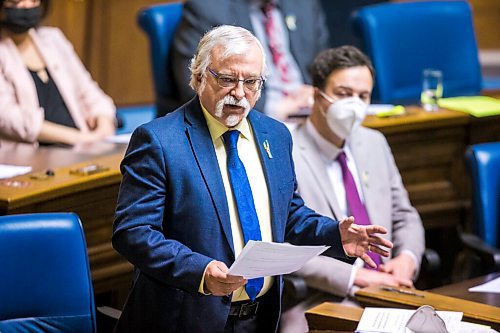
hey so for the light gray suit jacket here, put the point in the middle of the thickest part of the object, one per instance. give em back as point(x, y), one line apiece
point(386, 201)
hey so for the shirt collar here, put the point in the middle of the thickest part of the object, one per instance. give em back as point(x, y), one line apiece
point(328, 150)
point(216, 128)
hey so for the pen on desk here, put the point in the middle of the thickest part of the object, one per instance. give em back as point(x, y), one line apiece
point(401, 291)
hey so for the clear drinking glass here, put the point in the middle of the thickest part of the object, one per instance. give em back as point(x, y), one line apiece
point(432, 89)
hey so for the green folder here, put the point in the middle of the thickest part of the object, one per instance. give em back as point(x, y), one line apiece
point(477, 106)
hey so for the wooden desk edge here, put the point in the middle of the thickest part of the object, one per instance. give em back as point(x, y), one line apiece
point(63, 182)
point(328, 316)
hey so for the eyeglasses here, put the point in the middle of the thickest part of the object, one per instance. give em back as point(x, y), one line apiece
point(16, 3)
point(228, 81)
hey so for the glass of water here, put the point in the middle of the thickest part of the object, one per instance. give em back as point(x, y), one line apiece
point(432, 89)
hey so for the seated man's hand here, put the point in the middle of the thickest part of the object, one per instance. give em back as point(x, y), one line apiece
point(402, 266)
point(295, 101)
point(358, 240)
point(218, 282)
point(367, 277)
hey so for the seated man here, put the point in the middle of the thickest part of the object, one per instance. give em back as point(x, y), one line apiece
point(292, 32)
point(345, 169)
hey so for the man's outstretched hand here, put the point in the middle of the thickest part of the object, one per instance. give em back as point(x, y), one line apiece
point(358, 240)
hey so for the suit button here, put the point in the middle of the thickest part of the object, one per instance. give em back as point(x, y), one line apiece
point(226, 299)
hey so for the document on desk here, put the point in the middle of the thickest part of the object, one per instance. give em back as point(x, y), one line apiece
point(387, 320)
point(119, 138)
point(423, 320)
point(492, 286)
point(258, 259)
point(8, 171)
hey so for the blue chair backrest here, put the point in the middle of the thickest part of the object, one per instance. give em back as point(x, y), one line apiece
point(45, 281)
point(403, 39)
point(159, 22)
point(483, 161)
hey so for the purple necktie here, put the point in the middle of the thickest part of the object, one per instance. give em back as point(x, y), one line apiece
point(356, 207)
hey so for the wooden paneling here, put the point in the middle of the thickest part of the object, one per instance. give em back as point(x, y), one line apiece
point(487, 23)
point(110, 44)
point(71, 17)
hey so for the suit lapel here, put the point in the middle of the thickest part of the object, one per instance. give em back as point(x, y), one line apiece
point(204, 152)
point(261, 135)
point(309, 152)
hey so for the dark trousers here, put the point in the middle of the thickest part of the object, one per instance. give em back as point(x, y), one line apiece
point(264, 320)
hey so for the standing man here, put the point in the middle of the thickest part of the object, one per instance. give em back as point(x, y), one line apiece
point(345, 169)
point(202, 181)
point(292, 32)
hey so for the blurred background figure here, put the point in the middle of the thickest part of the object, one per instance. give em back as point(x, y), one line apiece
point(338, 20)
point(46, 94)
point(345, 169)
point(292, 32)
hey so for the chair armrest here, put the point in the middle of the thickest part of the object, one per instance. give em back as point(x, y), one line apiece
point(296, 286)
point(430, 270)
point(296, 291)
point(489, 256)
point(107, 318)
point(431, 261)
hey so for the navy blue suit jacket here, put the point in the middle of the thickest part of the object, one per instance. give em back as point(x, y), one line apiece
point(172, 219)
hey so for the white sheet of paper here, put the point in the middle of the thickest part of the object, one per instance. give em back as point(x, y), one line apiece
point(7, 171)
point(492, 286)
point(258, 259)
point(373, 109)
point(465, 327)
point(389, 320)
point(120, 138)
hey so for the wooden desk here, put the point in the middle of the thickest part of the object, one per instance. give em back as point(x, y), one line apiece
point(428, 148)
point(328, 316)
point(92, 197)
point(461, 290)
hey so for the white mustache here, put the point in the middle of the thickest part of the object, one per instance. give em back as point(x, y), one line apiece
point(231, 100)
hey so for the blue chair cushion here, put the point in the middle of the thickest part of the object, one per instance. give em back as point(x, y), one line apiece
point(403, 39)
point(484, 165)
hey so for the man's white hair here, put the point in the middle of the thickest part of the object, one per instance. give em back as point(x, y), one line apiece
point(234, 40)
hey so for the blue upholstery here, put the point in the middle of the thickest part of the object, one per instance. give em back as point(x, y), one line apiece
point(483, 161)
point(133, 116)
point(402, 39)
point(159, 22)
point(45, 282)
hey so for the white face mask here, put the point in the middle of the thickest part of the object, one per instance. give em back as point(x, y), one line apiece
point(345, 114)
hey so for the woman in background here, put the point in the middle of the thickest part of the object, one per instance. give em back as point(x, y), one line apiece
point(46, 94)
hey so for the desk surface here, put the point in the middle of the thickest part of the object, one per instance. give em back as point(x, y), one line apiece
point(461, 290)
point(34, 187)
point(332, 315)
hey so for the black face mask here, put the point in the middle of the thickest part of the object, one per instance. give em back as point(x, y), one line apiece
point(20, 20)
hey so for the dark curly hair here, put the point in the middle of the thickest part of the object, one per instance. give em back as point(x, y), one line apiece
point(331, 60)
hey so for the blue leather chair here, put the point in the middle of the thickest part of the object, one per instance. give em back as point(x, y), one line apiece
point(483, 161)
point(483, 245)
point(130, 117)
point(159, 22)
point(403, 39)
point(45, 282)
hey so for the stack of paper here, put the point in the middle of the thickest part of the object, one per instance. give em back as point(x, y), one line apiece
point(477, 106)
point(422, 320)
point(492, 286)
point(8, 171)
